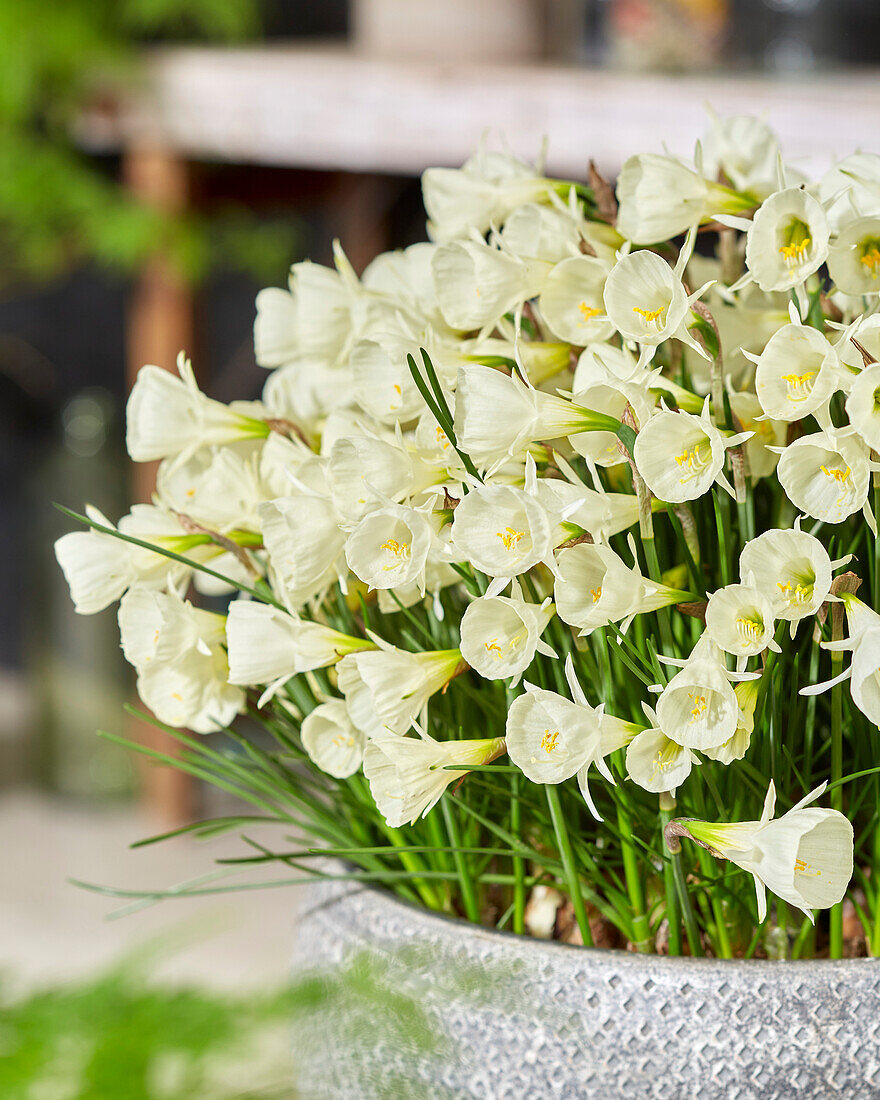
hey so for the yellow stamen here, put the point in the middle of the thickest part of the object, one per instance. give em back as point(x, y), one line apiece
point(588, 312)
point(793, 252)
point(801, 867)
point(341, 741)
point(442, 438)
point(799, 385)
point(701, 705)
point(550, 740)
point(837, 474)
point(799, 594)
point(399, 549)
point(510, 537)
point(749, 630)
point(871, 260)
point(651, 316)
point(596, 593)
point(494, 647)
point(692, 461)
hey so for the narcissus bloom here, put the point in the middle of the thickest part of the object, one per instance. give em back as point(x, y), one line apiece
point(827, 475)
point(739, 619)
point(332, 740)
point(863, 405)
point(500, 635)
point(796, 373)
point(787, 240)
point(804, 857)
point(389, 547)
point(791, 568)
point(854, 257)
point(408, 775)
point(503, 530)
point(571, 300)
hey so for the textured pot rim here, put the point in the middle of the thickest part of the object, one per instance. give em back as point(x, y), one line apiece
point(466, 930)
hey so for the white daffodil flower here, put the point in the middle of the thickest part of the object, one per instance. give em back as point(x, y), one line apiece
point(594, 587)
point(408, 775)
point(787, 240)
point(604, 364)
point(646, 301)
point(698, 708)
point(550, 738)
point(745, 149)
point(827, 475)
point(804, 857)
point(404, 275)
point(332, 740)
point(477, 284)
point(863, 405)
point(611, 400)
point(497, 414)
point(736, 748)
point(656, 763)
point(500, 635)
point(574, 509)
point(99, 567)
point(864, 670)
point(681, 456)
point(502, 530)
point(382, 384)
point(571, 301)
point(268, 646)
point(167, 415)
point(480, 194)
point(219, 487)
point(389, 547)
point(854, 257)
point(660, 197)
point(178, 652)
point(553, 233)
point(851, 189)
point(399, 683)
point(304, 543)
point(365, 472)
point(796, 373)
point(739, 619)
point(791, 568)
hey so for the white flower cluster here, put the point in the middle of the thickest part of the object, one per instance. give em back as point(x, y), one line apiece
point(582, 373)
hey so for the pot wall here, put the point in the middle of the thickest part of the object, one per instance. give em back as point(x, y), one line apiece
point(529, 1019)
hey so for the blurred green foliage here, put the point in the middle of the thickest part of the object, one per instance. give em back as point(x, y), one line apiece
point(60, 207)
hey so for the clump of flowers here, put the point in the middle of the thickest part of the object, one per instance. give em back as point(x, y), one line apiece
point(553, 551)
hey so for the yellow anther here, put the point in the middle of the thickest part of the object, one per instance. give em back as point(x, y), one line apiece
point(343, 741)
point(791, 253)
point(701, 705)
point(494, 647)
point(835, 473)
point(550, 740)
point(801, 867)
point(399, 549)
point(442, 438)
point(398, 389)
point(871, 260)
point(588, 312)
point(799, 385)
point(650, 315)
point(510, 537)
point(596, 593)
point(692, 461)
point(748, 629)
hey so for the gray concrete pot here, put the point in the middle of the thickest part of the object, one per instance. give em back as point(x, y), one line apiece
point(521, 1018)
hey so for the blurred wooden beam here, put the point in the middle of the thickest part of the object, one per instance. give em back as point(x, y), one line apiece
point(160, 324)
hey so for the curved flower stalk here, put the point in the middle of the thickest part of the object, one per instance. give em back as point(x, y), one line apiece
point(178, 652)
point(332, 740)
point(550, 738)
point(500, 635)
point(169, 416)
point(408, 775)
point(268, 646)
point(498, 415)
point(804, 857)
point(594, 587)
point(399, 683)
point(681, 456)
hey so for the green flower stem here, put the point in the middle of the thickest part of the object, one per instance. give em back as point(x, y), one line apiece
point(519, 867)
point(431, 896)
point(641, 927)
point(673, 917)
point(663, 613)
point(835, 915)
point(468, 892)
point(567, 856)
point(722, 945)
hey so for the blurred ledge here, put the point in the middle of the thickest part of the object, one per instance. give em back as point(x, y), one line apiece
point(332, 108)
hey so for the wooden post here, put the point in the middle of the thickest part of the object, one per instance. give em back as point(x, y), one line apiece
point(160, 324)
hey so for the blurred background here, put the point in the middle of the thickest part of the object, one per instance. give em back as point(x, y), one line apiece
point(160, 161)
